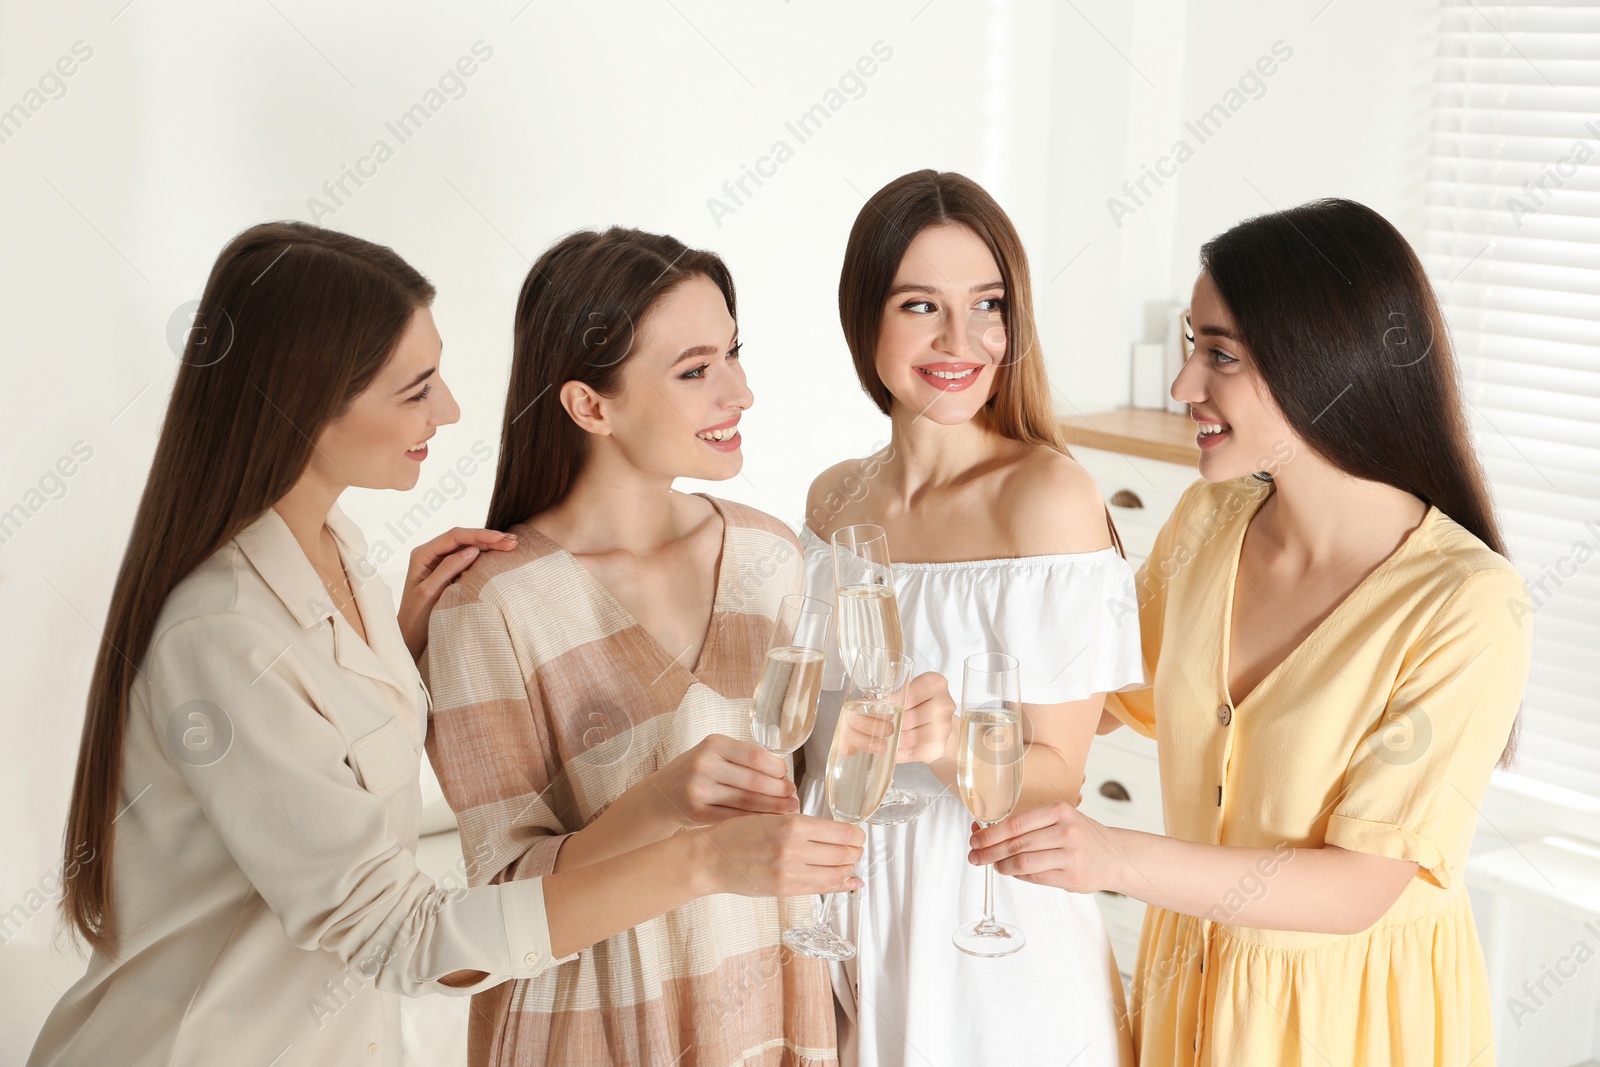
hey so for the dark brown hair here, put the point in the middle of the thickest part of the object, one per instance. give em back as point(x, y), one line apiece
point(578, 319)
point(294, 323)
point(1342, 323)
point(1020, 408)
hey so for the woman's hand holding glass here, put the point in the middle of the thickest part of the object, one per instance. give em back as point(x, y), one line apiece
point(869, 617)
point(929, 722)
point(771, 851)
point(781, 856)
point(718, 779)
point(860, 768)
point(1053, 844)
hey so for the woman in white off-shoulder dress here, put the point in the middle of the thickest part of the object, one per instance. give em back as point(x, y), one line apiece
point(1018, 557)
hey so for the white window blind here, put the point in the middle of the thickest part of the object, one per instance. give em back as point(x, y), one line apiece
point(1512, 242)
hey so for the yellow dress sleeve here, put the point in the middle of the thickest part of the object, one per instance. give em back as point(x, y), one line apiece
point(1137, 707)
point(1413, 789)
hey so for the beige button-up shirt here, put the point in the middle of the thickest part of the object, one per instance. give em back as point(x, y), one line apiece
point(267, 893)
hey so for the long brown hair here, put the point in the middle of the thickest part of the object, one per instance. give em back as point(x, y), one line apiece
point(1343, 325)
point(1020, 408)
point(294, 323)
point(578, 319)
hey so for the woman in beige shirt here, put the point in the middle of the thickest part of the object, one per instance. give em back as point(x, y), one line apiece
point(240, 848)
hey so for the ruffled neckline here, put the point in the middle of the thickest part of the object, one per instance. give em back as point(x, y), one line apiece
point(810, 540)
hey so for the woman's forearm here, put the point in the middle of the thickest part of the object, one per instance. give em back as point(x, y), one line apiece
point(1316, 890)
point(1048, 775)
point(590, 903)
point(1059, 736)
point(623, 827)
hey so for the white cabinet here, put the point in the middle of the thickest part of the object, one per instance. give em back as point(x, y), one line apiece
point(1123, 788)
point(1140, 492)
point(1122, 784)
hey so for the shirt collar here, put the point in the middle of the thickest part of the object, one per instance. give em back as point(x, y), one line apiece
point(270, 547)
point(273, 551)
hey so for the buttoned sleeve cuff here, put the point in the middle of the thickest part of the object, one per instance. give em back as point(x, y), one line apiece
point(500, 931)
point(1395, 842)
point(527, 928)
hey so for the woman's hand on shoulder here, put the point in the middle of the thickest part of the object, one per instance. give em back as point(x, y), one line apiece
point(434, 565)
point(1051, 505)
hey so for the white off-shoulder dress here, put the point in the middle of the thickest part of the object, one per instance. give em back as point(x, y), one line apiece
point(910, 996)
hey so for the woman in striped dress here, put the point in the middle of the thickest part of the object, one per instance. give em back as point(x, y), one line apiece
point(592, 687)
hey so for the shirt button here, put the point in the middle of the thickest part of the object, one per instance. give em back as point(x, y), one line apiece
point(531, 959)
point(1224, 714)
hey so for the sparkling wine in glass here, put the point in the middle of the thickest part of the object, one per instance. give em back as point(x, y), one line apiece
point(860, 768)
point(989, 757)
point(869, 617)
point(785, 708)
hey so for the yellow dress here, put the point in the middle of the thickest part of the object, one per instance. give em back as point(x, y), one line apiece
point(1377, 734)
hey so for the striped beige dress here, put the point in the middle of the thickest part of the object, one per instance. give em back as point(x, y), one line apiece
point(549, 701)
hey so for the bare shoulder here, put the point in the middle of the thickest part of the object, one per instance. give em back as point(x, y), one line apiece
point(829, 481)
point(1051, 504)
point(836, 492)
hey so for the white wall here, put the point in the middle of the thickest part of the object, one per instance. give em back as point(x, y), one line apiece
point(1345, 115)
point(191, 121)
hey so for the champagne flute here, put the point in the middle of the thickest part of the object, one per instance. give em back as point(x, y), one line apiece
point(785, 708)
point(989, 759)
point(869, 617)
point(860, 768)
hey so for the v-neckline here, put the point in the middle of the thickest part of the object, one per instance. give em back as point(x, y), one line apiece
point(713, 624)
point(1317, 630)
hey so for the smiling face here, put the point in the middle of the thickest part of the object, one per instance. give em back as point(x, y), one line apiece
point(381, 440)
point(682, 389)
point(1240, 425)
point(943, 333)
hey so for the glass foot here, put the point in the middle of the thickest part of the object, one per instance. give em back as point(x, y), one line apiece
point(988, 938)
point(898, 806)
point(820, 942)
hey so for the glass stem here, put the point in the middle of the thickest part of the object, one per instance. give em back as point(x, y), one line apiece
point(988, 889)
point(825, 920)
point(825, 912)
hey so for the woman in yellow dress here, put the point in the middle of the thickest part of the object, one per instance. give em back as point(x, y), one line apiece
point(1332, 630)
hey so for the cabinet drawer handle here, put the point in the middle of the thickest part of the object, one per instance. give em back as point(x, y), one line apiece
point(1113, 790)
point(1126, 498)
